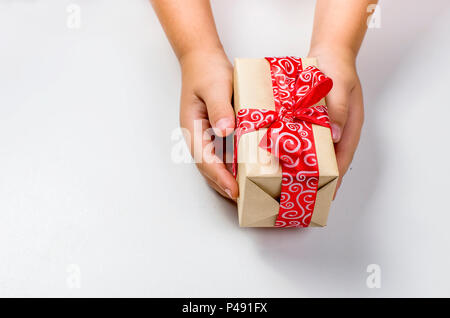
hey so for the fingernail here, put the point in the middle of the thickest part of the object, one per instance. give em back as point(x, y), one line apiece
point(335, 132)
point(228, 191)
point(222, 125)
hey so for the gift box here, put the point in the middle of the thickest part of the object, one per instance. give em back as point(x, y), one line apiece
point(285, 161)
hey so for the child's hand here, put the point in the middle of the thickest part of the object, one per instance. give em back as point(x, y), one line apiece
point(207, 84)
point(206, 99)
point(339, 29)
point(345, 103)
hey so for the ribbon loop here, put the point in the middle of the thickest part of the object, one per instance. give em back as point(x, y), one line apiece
point(311, 86)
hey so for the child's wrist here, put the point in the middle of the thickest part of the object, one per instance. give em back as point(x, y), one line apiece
point(341, 52)
point(199, 53)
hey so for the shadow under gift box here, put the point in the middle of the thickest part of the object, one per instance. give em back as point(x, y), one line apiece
point(259, 172)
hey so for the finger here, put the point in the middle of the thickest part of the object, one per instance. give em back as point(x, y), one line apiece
point(346, 148)
point(217, 174)
point(220, 110)
point(219, 190)
point(202, 147)
point(337, 103)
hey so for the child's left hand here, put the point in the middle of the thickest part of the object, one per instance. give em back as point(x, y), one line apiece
point(344, 102)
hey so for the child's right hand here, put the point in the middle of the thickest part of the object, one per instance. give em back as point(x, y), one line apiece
point(207, 79)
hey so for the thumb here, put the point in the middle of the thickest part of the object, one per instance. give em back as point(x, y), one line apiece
point(337, 103)
point(220, 113)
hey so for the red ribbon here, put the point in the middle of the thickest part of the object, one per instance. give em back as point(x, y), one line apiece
point(290, 136)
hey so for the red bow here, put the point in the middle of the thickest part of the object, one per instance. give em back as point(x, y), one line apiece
point(289, 136)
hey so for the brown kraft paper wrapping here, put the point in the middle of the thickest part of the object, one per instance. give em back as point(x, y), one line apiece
point(259, 174)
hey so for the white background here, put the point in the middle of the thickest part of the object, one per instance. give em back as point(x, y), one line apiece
point(90, 198)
